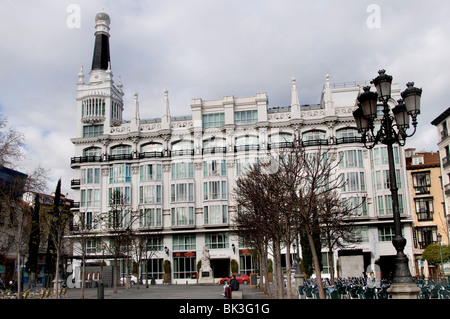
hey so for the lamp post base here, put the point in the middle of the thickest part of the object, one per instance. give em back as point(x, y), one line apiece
point(404, 291)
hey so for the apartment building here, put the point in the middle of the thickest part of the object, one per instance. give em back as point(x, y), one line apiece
point(178, 173)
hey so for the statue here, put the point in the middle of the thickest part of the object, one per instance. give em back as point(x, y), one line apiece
point(206, 264)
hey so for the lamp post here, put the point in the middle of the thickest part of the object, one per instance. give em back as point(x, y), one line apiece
point(391, 131)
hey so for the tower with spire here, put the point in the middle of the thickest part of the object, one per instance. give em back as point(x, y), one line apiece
point(99, 101)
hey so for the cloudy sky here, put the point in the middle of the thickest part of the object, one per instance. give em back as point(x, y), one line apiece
point(210, 49)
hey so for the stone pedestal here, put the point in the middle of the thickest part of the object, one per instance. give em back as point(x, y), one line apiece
point(206, 277)
point(404, 291)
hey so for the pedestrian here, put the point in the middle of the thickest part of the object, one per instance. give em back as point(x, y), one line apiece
point(234, 284)
point(225, 286)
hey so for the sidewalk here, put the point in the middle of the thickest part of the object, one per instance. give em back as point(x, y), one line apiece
point(165, 292)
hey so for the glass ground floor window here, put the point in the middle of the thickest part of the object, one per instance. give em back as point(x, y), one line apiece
point(155, 268)
point(246, 265)
point(184, 267)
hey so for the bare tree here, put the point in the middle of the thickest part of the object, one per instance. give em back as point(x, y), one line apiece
point(57, 220)
point(337, 224)
point(119, 221)
point(11, 143)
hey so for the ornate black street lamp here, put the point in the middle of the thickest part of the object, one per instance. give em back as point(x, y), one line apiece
point(392, 130)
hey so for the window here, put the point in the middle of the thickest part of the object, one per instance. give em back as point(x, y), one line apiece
point(149, 194)
point(184, 242)
point(155, 268)
point(184, 267)
point(214, 190)
point(243, 164)
point(154, 243)
point(215, 214)
point(351, 158)
point(93, 246)
point(88, 220)
point(118, 218)
point(182, 216)
point(426, 235)
point(93, 151)
point(421, 182)
point(121, 149)
point(246, 265)
point(182, 170)
point(217, 241)
point(119, 196)
point(213, 120)
point(424, 208)
point(120, 173)
point(90, 198)
point(384, 204)
point(150, 217)
point(90, 176)
point(357, 204)
point(214, 168)
point(383, 179)
point(182, 192)
point(355, 181)
point(385, 233)
point(380, 155)
point(150, 172)
point(245, 117)
point(92, 130)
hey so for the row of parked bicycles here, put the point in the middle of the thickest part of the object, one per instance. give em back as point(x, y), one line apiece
point(368, 288)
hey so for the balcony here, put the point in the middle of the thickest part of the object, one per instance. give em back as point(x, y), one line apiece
point(447, 189)
point(350, 139)
point(75, 183)
point(86, 159)
point(445, 161)
point(251, 147)
point(214, 150)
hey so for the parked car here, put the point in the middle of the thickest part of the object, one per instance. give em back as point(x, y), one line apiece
point(241, 278)
point(133, 280)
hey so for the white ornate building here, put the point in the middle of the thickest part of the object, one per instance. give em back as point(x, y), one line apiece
point(179, 173)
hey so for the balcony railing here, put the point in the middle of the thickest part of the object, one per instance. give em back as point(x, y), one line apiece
point(214, 150)
point(75, 183)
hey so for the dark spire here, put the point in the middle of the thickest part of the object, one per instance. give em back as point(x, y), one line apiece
point(101, 57)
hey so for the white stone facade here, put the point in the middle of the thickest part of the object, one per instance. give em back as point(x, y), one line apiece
point(180, 172)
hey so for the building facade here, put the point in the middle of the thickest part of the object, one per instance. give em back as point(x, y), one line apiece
point(174, 177)
point(427, 204)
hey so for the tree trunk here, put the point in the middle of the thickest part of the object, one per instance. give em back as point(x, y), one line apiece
point(331, 264)
point(83, 276)
point(55, 286)
point(278, 270)
point(18, 274)
point(288, 270)
point(316, 263)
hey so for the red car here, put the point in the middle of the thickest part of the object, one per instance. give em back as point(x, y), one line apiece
point(241, 278)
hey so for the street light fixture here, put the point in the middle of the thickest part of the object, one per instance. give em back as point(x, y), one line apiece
point(391, 131)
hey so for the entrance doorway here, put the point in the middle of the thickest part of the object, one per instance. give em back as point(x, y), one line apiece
point(221, 267)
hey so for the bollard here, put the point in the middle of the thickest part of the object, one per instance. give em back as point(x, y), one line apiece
point(100, 291)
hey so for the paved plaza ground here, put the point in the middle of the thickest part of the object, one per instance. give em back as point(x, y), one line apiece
point(165, 292)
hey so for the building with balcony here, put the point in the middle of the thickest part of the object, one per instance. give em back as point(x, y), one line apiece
point(173, 178)
point(427, 203)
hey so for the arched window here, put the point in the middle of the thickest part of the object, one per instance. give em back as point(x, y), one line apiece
point(183, 147)
point(347, 135)
point(92, 151)
point(247, 143)
point(280, 139)
point(314, 137)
